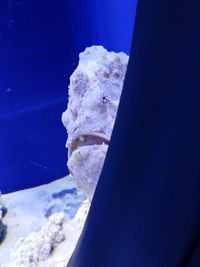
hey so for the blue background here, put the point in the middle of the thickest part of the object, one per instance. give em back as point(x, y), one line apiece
point(39, 46)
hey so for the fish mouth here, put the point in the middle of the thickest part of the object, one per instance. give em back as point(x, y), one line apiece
point(87, 140)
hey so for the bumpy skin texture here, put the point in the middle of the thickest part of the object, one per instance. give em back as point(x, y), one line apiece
point(94, 93)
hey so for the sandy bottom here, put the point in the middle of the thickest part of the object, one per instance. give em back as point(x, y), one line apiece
point(28, 211)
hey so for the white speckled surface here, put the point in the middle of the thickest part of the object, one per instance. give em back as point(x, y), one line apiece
point(94, 94)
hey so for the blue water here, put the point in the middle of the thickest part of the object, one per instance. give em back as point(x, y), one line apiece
point(39, 46)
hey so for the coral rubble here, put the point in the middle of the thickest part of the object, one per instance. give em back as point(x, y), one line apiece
point(38, 246)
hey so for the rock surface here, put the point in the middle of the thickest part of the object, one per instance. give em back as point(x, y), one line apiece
point(94, 94)
point(2, 226)
point(38, 246)
point(82, 213)
point(29, 211)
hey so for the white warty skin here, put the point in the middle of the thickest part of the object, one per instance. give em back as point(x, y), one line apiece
point(94, 93)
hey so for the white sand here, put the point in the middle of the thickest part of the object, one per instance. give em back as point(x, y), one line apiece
point(26, 213)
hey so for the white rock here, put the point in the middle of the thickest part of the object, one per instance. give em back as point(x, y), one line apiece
point(94, 94)
point(82, 213)
point(57, 218)
point(37, 246)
